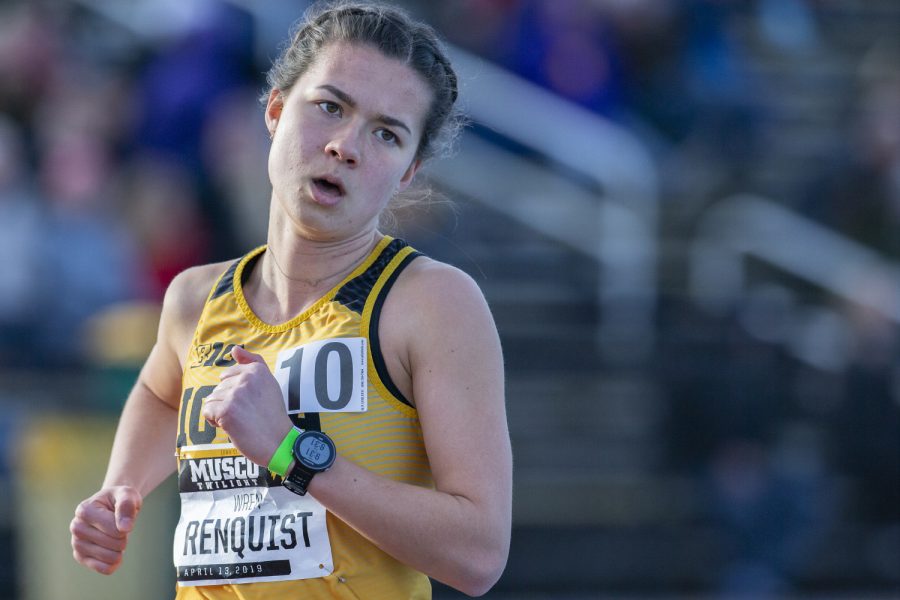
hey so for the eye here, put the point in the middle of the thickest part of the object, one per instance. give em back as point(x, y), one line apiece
point(329, 108)
point(386, 135)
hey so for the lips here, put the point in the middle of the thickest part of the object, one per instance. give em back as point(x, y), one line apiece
point(329, 185)
point(327, 190)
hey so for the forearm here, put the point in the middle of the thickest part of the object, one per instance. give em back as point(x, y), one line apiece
point(143, 451)
point(463, 542)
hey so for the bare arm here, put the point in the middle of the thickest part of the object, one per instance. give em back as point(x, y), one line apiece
point(459, 532)
point(142, 454)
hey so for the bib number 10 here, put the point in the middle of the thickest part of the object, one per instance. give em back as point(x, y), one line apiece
point(324, 376)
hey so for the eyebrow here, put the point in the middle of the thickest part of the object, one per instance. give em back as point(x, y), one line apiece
point(349, 101)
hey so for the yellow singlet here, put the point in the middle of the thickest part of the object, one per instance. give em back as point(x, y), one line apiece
point(241, 534)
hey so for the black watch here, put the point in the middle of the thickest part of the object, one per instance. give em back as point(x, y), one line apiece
point(313, 452)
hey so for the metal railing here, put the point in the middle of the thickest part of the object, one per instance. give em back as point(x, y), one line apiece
point(610, 213)
point(745, 226)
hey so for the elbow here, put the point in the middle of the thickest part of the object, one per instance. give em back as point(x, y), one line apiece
point(482, 572)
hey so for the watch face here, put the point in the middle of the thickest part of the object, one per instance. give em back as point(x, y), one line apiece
point(314, 451)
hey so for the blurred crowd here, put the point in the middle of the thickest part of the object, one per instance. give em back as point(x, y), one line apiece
point(124, 159)
point(133, 146)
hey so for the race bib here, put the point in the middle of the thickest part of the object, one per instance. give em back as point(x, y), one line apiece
point(238, 525)
point(324, 376)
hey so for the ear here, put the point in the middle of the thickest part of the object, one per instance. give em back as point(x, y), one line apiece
point(409, 174)
point(274, 106)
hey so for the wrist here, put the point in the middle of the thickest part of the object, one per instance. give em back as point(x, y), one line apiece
point(283, 458)
point(314, 452)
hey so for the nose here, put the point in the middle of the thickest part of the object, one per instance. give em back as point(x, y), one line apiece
point(344, 147)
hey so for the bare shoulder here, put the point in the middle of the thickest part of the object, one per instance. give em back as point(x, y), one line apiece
point(434, 285)
point(433, 303)
point(184, 302)
point(188, 292)
point(181, 310)
point(438, 337)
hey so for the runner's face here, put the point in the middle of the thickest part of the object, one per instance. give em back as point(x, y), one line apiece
point(345, 140)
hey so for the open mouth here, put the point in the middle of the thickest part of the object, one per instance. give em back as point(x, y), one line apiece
point(328, 187)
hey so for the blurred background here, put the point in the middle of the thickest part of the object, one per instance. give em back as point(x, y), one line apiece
point(684, 214)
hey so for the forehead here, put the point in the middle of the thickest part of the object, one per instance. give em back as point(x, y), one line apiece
point(376, 82)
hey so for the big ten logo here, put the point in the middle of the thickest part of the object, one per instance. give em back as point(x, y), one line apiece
point(217, 354)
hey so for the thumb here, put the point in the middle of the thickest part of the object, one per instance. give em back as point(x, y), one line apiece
point(128, 504)
point(245, 357)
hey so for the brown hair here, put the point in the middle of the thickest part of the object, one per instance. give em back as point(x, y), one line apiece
point(397, 35)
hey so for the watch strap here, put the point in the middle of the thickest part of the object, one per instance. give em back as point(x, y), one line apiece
point(283, 456)
point(298, 479)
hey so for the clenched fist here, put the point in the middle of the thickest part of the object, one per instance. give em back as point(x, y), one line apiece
point(248, 405)
point(101, 526)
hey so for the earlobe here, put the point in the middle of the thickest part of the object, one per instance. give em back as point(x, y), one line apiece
point(409, 175)
point(274, 107)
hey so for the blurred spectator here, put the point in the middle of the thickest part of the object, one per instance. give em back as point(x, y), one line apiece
point(22, 232)
point(235, 146)
point(867, 421)
point(858, 194)
point(178, 94)
point(164, 216)
point(186, 77)
point(719, 376)
point(566, 47)
point(684, 70)
point(772, 506)
point(30, 56)
point(91, 258)
point(563, 46)
point(482, 26)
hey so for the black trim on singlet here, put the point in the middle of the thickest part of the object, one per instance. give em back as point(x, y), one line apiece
point(226, 283)
point(248, 268)
point(354, 293)
point(377, 356)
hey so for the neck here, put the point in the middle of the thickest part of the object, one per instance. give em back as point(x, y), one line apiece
point(295, 272)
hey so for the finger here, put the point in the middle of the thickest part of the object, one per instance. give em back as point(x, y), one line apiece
point(223, 389)
point(211, 411)
point(230, 372)
point(245, 357)
point(81, 530)
point(99, 517)
point(88, 549)
point(128, 504)
point(95, 565)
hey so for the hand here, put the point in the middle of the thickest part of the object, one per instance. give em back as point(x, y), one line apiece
point(101, 526)
point(248, 405)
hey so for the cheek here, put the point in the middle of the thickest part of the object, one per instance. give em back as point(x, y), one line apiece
point(285, 159)
point(382, 184)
